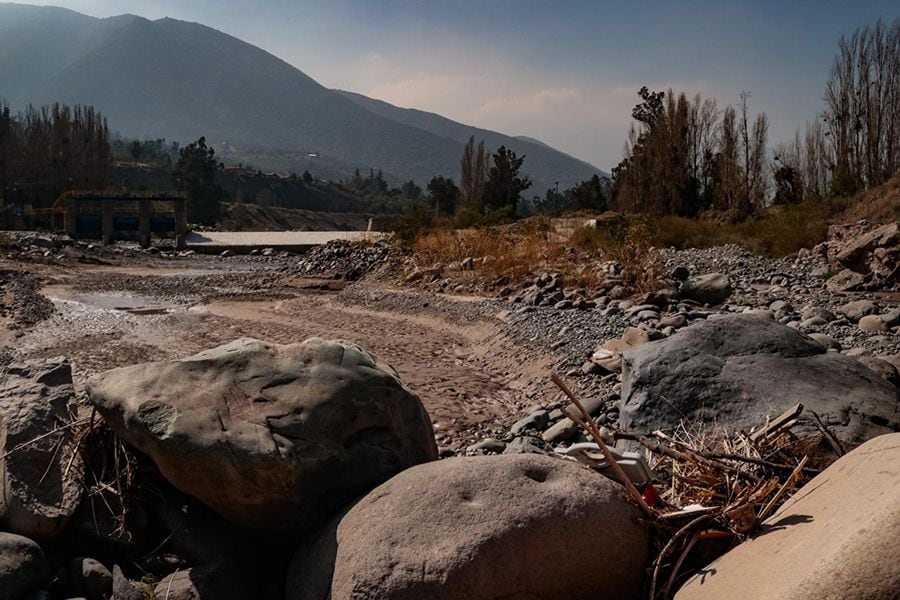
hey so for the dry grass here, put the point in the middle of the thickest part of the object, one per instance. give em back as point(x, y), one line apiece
point(878, 205)
point(512, 252)
point(507, 253)
point(781, 232)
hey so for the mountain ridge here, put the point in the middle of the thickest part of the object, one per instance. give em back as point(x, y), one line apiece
point(180, 80)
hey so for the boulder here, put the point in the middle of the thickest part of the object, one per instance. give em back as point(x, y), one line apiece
point(872, 323)
point(884, 368)
point(835, 539)
point(711, 289)
point(90, 578)
point(828, 342)
point(23, 567)
point(522, 526)
point(816, 312)
point(223, 581)
point(856, 310)
point(524, 445)
point(845, 281)
point(124, 589)
point(274, 438)
point(739, 369)
point(855, 253)
point(40, 483)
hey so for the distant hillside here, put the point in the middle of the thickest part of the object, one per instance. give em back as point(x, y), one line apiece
point(180, 80)
point(566, 169)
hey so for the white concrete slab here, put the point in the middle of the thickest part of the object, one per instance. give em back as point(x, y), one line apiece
point(297, 241)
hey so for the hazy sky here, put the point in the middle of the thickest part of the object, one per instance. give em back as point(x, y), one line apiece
point(563, 71)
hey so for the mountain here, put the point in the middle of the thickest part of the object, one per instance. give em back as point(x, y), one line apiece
point(181, 80)
point(554, 165)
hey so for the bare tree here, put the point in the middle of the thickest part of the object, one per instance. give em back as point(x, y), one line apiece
point(473, 173)
point(862, 107)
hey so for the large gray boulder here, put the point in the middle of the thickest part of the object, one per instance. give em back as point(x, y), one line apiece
point(23, 567)
point(274, 438)
point(737, 370)
point(836, 538)
point(712, 289)
point(42, 475)
point(519, 526)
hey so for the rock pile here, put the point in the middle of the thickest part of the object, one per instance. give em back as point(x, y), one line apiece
point(342, 259)
point(868, 257)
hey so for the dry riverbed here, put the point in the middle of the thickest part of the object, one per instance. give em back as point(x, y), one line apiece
point(449, 350)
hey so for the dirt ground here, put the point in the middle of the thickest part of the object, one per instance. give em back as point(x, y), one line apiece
point(448, 350)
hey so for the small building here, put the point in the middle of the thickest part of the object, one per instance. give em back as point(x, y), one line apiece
point(110, 215)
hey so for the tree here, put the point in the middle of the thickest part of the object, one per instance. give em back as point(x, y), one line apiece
point(308, 178)
point(410, 190)
point(195, 173)
point(444, 195)
point(504, 186)
point(473, 176)
point(589, 194)
point(862, 108)
point(136, 150)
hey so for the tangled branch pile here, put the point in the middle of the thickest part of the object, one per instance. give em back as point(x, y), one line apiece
point(712, 489)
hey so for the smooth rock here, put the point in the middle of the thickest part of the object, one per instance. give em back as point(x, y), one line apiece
point(40, 484)
point(592, 404)
point(856, 310)
point(835, 539)
point(23, 567)
point(676, 321)
point(845, 281)
point(711, 289)
point(481, 528)
point(536, 421)
point(488, 445)
point(872, 323)
point(738, 370)
point(884, 368)
point(562, 431)
point(816, 312)
point(523, 445)
point(274, 438)
point(90, 578)
point(828, 342)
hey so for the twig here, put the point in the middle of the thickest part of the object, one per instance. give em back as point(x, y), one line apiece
point(667, 591)
point(762, 463)
point(31, 442)
point(589, 424)
point(670, 545)
point(785, 486)
point(832, 439)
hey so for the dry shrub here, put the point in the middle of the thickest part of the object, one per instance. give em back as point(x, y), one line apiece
point(782, 231)
point(7, 241)
point(510, 251)
point(880, 204)
point(631, 245)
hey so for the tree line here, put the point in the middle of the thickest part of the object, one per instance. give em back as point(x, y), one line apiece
point(46, 151)
point(684, 156)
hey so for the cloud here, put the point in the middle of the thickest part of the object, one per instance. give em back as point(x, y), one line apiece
point(588, 119)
